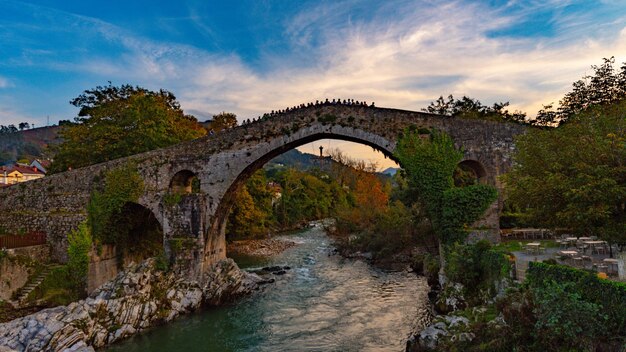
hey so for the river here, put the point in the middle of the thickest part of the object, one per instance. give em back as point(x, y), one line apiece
point(323, 303)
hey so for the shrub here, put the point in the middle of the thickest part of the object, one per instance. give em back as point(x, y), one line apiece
point(610, 296)
point(477, 267)
point(79, 244)
point(564, 319)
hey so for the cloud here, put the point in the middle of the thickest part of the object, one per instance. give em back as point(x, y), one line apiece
point(404, 62)
point(4, 83)
point(400, 54)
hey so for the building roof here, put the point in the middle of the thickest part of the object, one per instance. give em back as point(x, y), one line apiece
point(24, 170)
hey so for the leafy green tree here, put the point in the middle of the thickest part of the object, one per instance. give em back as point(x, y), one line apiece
point(114, 122)
point(469, 108)
point(574, 176)
point(605, 86)
point(246, 220)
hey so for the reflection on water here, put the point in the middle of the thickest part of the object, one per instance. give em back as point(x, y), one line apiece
point(324, 303)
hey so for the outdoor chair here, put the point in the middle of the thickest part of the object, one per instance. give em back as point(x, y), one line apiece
point(577, 262)
point(587, 260)
point(600, 250)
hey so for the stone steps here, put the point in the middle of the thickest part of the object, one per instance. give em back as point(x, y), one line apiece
point(34, 283)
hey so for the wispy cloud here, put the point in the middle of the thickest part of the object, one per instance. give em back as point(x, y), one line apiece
point(400, 54)
point(4, 83)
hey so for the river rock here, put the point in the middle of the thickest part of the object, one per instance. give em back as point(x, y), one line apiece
point(139, 297)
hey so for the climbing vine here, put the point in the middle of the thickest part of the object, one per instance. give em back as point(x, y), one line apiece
point(430, 161)
point(122, 185)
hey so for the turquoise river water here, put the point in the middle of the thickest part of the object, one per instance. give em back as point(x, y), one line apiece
point(324, 303)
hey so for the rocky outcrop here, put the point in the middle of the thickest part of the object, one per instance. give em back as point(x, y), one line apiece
point(136, 299)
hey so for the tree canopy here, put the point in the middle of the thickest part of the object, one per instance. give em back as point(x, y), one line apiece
point(223, 121)
point(114, 122)
point(470, 108)
point(605, 86)
point(574, 176)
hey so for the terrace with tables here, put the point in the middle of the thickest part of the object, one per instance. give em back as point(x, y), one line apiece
point(589, 253)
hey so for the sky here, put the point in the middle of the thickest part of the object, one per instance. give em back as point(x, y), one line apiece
point(254, 56)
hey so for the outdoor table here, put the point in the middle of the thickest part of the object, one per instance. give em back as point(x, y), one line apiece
point(585, 238)
point(534, 246)
point(593, 244)
point(569, 253)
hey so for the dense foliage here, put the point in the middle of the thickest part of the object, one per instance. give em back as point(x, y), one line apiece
point(286, 199)
point(114, 122)
point(610, 296)
point(469, 108)
point(252, 214)
point(478, 268)
point(604, 87)
point(430, 162)
point(558, 183)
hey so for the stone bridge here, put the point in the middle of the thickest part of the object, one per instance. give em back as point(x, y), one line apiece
point(222, 162)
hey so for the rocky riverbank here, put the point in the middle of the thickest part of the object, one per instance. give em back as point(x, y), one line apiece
point(265, 247)
point(138, 298)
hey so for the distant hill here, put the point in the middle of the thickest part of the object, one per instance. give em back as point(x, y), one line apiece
point(27, 144)
point(390, 171)
point(296, 159)
point(305, 162)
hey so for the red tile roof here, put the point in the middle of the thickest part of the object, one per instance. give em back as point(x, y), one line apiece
point(25, 170)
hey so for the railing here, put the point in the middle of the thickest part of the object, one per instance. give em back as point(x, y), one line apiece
point(29, 239)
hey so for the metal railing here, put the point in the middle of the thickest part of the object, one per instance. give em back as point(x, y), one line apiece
point(17, 241)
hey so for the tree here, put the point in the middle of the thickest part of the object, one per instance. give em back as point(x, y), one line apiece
point(222, 121)
point(574, 176)
point(114, 122)
point(246, 220)
point(469, 108)
point(24, 125)
point(605, 86)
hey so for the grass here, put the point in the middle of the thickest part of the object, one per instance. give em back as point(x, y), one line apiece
point(518, 245)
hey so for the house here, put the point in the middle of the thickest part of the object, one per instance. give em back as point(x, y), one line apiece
point(41, 165)
point(17, 173)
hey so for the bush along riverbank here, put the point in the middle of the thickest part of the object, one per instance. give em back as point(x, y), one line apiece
point(556, 308)
point(138, 298)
